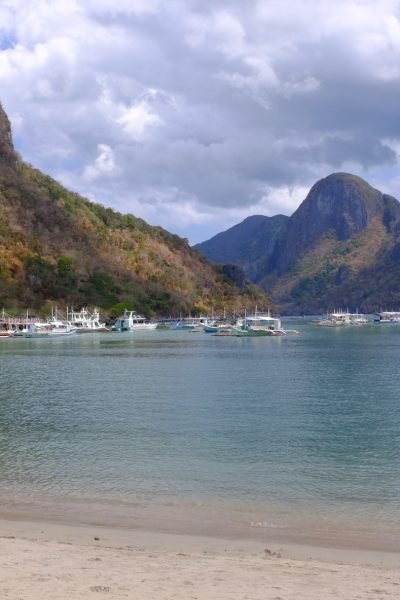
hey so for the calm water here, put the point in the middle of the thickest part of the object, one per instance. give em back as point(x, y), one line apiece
point(193, 432)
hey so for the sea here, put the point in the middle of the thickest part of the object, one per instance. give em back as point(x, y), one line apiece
point(293, 438)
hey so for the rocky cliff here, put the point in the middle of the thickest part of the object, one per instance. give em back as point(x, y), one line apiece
point(340, 248)
point(340, 206)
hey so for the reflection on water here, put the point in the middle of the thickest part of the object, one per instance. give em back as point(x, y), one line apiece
point(295, 431)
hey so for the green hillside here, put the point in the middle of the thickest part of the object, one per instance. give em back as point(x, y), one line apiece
point(57, 247)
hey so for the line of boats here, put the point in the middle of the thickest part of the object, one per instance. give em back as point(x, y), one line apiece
point(251, 325)
point(340, 318)
point(256, 324)
point(55, 326)
point(83, 321)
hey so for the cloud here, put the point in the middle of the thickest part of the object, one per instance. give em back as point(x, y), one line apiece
point(103, 165)
point(136, 119)
point(193, 114)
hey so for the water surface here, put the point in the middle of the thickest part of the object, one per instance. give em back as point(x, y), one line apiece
point(297, 435)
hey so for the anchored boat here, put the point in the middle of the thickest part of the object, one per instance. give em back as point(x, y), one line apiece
point(258, 324)
point(131, 321)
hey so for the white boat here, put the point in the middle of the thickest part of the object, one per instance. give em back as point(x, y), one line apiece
point(84, 322)
point(342, 318)
point(40, 330)
point(59, 330)
point(131, 321)
point(36, 330)
point(59, 327)
point(258, 324)
point(5, 333)
point(358, 319)
point(387, 316)
point(194, 323)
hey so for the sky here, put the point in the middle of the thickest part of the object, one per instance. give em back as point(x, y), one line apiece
point(194, 114)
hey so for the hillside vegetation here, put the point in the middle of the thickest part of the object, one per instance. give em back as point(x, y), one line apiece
point(57, 247)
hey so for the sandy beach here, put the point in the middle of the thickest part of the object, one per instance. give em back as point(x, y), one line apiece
point(48, 561)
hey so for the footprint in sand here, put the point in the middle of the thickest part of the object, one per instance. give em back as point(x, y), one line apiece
point(99, 588)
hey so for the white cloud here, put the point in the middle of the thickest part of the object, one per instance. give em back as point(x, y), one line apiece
point(194, 114)
point(103, 165)
point(284, 199)
point(136, 119)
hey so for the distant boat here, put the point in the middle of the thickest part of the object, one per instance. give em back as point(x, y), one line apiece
point(34, 330)
point(44, 330)
point(131, 321)
point(193, 323)
point(387, 316)
point(217, 327)
point(358, 319)
point(341, 318)
point(59, 330)
point(85, 322)
point(5, 334)
point(59, 327)
point(258, 324)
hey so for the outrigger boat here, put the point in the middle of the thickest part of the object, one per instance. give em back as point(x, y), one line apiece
point(340, 318)
point(258, 324)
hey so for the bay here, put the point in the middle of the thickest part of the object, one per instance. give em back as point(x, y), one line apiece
point(295, 436)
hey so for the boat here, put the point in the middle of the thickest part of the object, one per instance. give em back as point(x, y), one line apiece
point(84, 322)
point(358, 319)
point(387, 316)
point(342, 318)
point(35, 330)
point(131, 321)
point(258, 324)
point(60, 330)
point(29, 326)
point(57, 326)
point(16, 326)
point(5, 334)
point(193, 323)
point(217, 327)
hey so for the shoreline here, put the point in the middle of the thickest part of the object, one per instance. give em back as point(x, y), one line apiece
point(202, 522)
point(57, 561)
point(306, 548)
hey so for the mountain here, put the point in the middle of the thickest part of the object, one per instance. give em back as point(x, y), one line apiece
point(247, 243)
point(56, 246)
point(340, 248)
point(340, 206)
